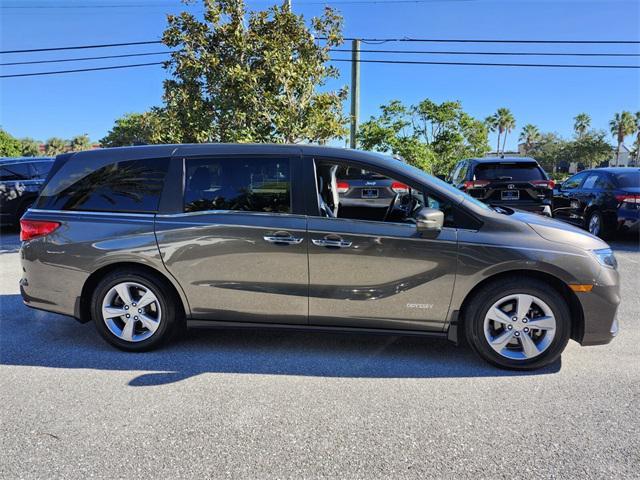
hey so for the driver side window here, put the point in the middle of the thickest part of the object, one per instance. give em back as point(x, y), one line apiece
point(350, 191)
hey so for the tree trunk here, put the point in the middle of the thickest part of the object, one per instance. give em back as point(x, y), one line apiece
point(498, 146)
point(504, 140)
point(618, 154)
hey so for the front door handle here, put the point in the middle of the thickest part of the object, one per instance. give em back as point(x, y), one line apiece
point(283, 238)
point(323, 242)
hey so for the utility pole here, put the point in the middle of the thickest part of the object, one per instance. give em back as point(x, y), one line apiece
point(355, 91)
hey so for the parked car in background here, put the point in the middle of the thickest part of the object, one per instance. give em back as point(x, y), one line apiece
point(20, 182)
point(366, 192)
point(148, 238)
point(515, 182)
point(602, 201)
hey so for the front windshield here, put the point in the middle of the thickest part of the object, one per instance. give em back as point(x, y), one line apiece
point(427, 178)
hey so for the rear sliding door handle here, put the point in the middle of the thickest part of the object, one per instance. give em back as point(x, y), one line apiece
point(323, 242)
point(283, 240)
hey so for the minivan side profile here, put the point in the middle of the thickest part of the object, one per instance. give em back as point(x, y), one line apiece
point(151, 238)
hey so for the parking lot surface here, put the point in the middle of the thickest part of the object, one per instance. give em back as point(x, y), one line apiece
point(241, 404)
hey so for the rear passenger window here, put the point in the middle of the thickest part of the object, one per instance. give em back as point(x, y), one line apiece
point(14, 172)
point(243, 184)
point(127, 186)
point(41, 169)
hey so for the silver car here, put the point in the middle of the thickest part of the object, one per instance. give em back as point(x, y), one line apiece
point(145, 240)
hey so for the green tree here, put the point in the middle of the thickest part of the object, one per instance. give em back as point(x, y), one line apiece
point(29, 147)
point(590, 149)
point(79, 143)
point(139, 129)
point(55, 146)
point(637, 142)
point(491, 123)
point(550, 150)
point(428, 135)
point(9, 146)
point(623, 124)
point(239, 76)
point(506, 123)
point(529, 135)
point(581, 124)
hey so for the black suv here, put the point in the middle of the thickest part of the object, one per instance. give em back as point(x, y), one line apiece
point(20, 182)
point(516, 182)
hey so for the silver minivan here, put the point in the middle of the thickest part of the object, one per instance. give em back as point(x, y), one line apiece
point(145, 240)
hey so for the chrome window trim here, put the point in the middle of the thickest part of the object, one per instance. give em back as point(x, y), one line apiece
point(91, 212)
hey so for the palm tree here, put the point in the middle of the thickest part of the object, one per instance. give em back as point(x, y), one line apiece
point(637, 139)
point(80, 142)
point(581, 124)
point(55, 146)
point(529, 136)
point(506, 123)
point(623, 124)
point(492, 125)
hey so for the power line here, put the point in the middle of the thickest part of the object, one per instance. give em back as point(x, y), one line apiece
point(487, 64)
point(364, 40)
point(79, 59)
point(428, 52)
point(404, 62)
point(36, 74)
point(536, 54)
point(80, 47)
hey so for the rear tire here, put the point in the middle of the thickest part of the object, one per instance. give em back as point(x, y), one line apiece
point(518, 324)
point(596, 225)
point(133, 310)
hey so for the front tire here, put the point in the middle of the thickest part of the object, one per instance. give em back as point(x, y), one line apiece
point(133, 310)
point(518, 324)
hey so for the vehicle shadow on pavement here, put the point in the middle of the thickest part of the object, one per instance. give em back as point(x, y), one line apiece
point(33, 338)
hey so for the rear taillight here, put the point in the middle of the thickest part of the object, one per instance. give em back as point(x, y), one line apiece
point(627, 198)
point(476, 184)
point(342, 187)
point(398, 187)
point(544, 183)
point(30, 229)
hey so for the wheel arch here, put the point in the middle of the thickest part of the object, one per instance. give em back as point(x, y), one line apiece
point(83, 303)
point(575, 308)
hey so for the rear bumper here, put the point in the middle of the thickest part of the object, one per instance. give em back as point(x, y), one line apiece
point(628, 220)
point(534, 207)
point(365, 202)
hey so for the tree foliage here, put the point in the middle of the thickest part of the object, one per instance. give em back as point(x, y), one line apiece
point(9, 146)
point(55, 146)
point(428, 135)
point(529, 136)
point(581, 124)
point(243, 76)
point(79, 143)
point(30, 147)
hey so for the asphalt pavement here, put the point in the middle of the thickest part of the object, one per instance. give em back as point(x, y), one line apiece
point(238, 404)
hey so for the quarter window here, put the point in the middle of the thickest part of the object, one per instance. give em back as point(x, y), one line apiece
point(127, 186)
point(15, 172)
point(575, 181)
point(242, 184)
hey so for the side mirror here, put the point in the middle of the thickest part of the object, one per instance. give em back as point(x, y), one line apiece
point(429, 221)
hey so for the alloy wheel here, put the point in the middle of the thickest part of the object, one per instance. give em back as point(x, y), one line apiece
point(520, 326)
point(131, 311)
point(594, 224)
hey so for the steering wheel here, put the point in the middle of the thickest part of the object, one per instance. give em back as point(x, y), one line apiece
point(400, 207)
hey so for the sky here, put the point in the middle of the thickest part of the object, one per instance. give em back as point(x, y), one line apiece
point(89, 103)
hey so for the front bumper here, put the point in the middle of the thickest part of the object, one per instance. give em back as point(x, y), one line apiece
point(599, 307)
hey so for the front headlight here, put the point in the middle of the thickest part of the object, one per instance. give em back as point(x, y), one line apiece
point(606, 257)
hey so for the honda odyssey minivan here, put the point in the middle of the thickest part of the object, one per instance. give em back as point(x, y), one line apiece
point(144, 240)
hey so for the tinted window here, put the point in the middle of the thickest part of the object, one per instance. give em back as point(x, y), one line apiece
point(590, 181)
point(41, 169)
point(244, 184)
point(355, 173)
point(127, 186)
point(519, 172)
point(628, 179)
point(575, 181)
point(15, 171)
